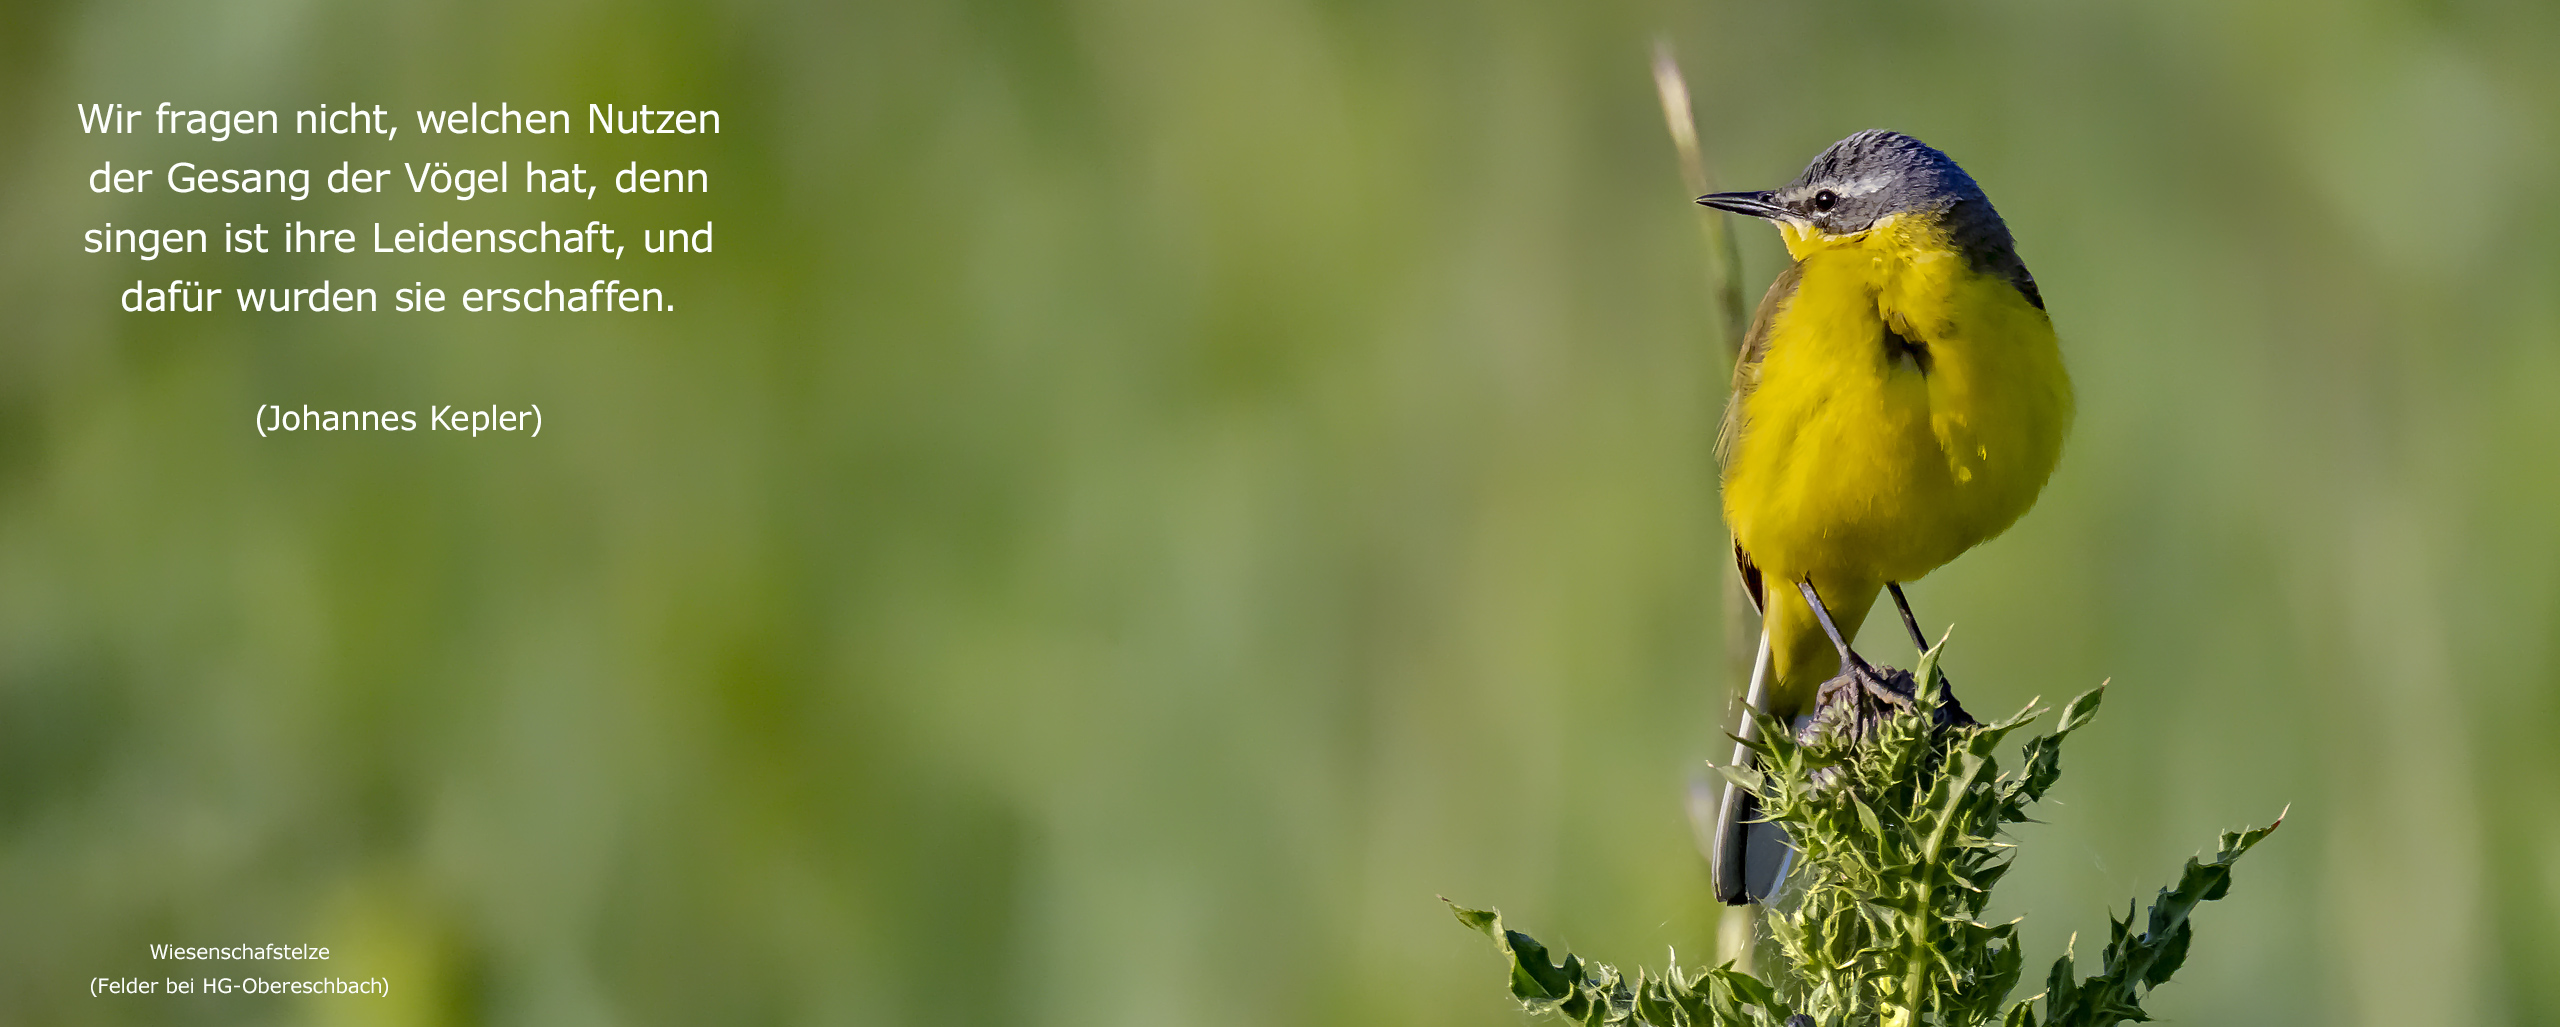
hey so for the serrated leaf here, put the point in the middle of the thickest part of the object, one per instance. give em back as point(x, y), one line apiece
point(2172, 955)
point(1745, 778)
point(1925, 673)
point(1533, 977)
point(1747, 988)
point(1867, 817)
point(1653, 1001)
point(2078, 712)
point(1484, 921)
point(1896, 831)
point(2061, 985)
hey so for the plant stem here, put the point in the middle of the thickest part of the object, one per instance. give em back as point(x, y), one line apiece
point(1735, 931)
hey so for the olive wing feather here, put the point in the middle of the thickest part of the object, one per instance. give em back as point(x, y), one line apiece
point(1746, 377)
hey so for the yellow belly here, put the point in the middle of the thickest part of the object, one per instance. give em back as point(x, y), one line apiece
point(1857, 464)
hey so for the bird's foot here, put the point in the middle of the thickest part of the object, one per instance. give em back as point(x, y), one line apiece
point(1856, 702)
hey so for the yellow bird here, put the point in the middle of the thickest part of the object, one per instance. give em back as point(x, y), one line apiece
point(1900, 398)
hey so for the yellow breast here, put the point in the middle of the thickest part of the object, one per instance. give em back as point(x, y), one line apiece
point(1907, 408)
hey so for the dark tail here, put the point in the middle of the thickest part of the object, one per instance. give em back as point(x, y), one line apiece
point(1751, 856)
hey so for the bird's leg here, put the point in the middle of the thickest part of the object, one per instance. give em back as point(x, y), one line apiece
point(1856, 674)
point(1949, 710)
point(1849, 658)
point(1909, 623)
point(1822, 615)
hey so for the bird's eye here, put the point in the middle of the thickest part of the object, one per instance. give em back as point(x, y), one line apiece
point(1825, 199)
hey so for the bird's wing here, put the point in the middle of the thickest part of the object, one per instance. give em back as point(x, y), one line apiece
point(1746, 377)
point(1755, 345)
point(1750, 576)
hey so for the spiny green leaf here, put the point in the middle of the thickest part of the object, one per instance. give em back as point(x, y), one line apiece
point(2080, 711)
point(2172, 955)
point(1925, 674)
point(1867, 816)
point(1746, 987)
point(1897, 850)
point(2061, 985)
point(2026, 714)
point(1745, 778)
point(1535, 978)
point(1487, 921)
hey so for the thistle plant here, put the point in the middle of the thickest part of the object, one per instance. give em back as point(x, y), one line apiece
point(1895, 809)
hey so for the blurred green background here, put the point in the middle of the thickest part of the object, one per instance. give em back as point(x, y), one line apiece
point(1145, 495)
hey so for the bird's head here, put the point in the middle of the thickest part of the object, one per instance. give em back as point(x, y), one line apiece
point(1859, 181)
point(1874, 178)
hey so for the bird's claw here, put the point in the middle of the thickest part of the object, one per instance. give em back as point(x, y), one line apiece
point(1859, 699)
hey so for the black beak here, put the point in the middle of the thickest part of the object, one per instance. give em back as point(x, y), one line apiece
point(1758, 205)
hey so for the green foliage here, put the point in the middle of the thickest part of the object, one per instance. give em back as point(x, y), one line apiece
point(1597, 994)
point(1896, 825)
point(2136, 963)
